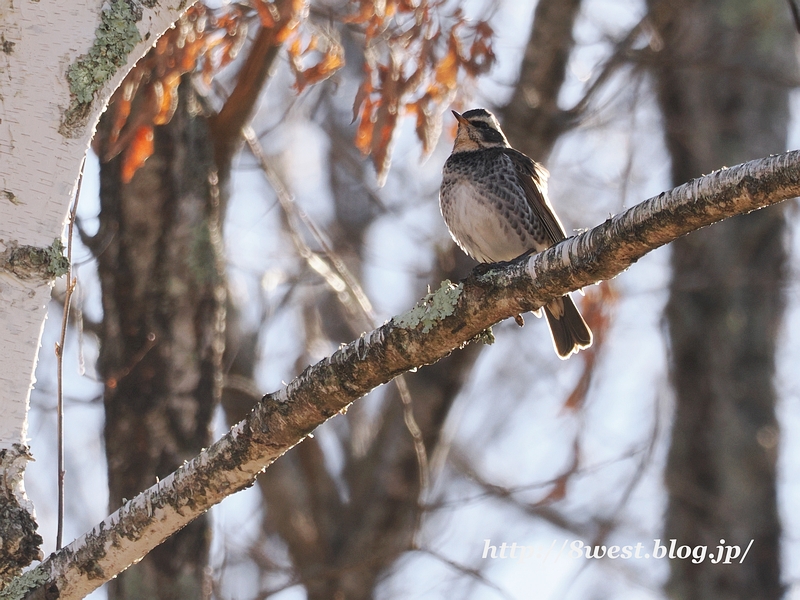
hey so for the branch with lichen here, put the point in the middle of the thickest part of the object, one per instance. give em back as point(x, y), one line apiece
point(444, 320)
point(28, 262)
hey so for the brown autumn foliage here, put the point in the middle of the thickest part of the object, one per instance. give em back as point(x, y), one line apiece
point(416, 56)
point(201, 40)
point(417, 71)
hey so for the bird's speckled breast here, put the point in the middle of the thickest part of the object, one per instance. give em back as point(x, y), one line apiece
point(485, 209)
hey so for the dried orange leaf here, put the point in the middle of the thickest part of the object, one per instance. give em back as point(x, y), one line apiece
point(140, 149)
point(447, 69)
point(429, 124)
point(362, 95)
point(382, 133)
point(365, 127)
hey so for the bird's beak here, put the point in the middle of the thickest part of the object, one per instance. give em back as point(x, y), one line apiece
point(460, 119)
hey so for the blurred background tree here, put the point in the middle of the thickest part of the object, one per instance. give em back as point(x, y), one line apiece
point(224, 268)
point(724, 102)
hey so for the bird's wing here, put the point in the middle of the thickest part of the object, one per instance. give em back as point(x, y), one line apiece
point(534, 181)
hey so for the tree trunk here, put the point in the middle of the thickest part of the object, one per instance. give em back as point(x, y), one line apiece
point(722, 82)
point(44, 131)
point(532, 118)
point(160, 264)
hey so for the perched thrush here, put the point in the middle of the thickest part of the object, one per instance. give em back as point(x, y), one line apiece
point(494, 201)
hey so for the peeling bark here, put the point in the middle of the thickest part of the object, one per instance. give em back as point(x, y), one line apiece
point(19, 540)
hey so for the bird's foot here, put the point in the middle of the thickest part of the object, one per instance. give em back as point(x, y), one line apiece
point(483, 268)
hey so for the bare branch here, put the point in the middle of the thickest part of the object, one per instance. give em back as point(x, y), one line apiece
point(355, 300)
point(68, 291)
point(238, 108)
point(465, 570)
point(440, 323)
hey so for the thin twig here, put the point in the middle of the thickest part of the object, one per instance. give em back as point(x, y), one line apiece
point(60, 360)
point(113, 380)
point(339, 278)
point(617, 59)
point(464, 570)
point(795, 13)
point(607, 524)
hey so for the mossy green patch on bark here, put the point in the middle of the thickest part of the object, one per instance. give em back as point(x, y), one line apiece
point(115, 38)
point(20, 587)
point(432, 308)
point(28, 262)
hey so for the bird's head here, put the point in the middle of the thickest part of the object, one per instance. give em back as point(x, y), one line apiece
point(477, 129)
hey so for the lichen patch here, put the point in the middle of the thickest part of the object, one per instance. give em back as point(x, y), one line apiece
point(432, 308)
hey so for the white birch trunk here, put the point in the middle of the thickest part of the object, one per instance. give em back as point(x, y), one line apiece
point(59, 64)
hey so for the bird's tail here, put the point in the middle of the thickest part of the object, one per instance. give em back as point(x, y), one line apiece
point(567, 327)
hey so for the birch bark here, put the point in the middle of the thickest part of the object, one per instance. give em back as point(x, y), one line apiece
point(59, 64)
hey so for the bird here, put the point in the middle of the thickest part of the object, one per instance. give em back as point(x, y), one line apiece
point(494, 202)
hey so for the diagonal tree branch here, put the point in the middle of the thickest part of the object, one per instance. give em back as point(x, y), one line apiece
point(226, 126)
point(443, 321)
